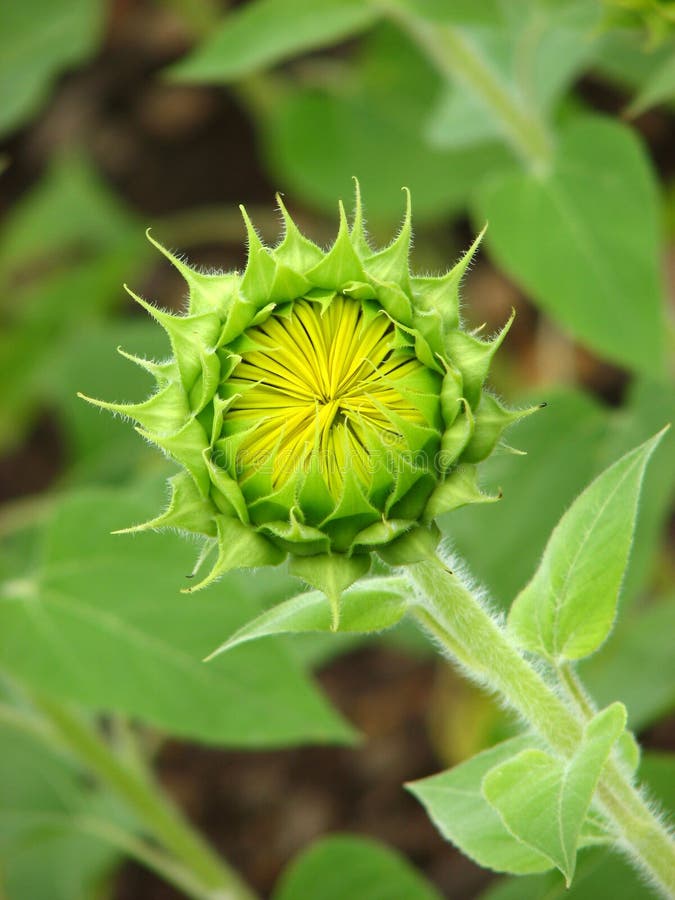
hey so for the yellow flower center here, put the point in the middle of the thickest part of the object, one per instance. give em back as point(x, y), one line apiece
point(320, 381)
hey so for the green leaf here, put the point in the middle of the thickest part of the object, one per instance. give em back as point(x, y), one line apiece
point(659, 88)
point(371, 605)
point(456, 806)
point(569, 238)
point(65, 250)
point(637, 665)
point(622, 56)
point(69, 209)
point(534, 51)
point(101, 621)
point(343, 866)
point(465, 12)
point(265, 32)
point(100, 447)
point(600, 873)
point(537, 488)
point(649, 404)
point(544, 801)
point(37, 41)
point(317, 137)
point(568, 608)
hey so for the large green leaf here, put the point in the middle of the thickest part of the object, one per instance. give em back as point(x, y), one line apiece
point(264, 32)
point(568, 608)
point(343, 866)
point(543, 800)
point(101, 621)
point(317, 138)
point(569, 237)
point(533, 51)
point(37, 41)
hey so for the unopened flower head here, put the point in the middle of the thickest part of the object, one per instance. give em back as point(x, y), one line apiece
point(321, 404)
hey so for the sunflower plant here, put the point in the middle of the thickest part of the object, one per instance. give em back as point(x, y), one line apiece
point(326, 407)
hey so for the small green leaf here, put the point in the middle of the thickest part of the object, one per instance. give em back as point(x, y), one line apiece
point(567, 610)
point(543, 801)
point(371, 605)
point(455, 804)
point(600, 872)
point(265, 32)
point(343, 866)
point(536, 491)
point(569, 238)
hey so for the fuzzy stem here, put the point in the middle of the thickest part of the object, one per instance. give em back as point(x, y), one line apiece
point(454, 56)
point(577, 693)
point(479, 643)
point(164, 822)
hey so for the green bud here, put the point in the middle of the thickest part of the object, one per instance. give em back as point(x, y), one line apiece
point(322, 405)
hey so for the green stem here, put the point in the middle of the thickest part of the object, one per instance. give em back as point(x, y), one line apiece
point(478, 641)
point(454, 56)
point(137, 848)
point(576, 691)
point(20, 720)
point(164, 822)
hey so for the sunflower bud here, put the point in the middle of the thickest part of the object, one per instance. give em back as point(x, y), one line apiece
point(322, 405)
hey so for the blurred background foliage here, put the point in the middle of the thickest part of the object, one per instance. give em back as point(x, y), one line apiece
point(552, 120)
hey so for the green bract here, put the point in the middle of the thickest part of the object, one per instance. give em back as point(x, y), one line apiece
point(322, 404)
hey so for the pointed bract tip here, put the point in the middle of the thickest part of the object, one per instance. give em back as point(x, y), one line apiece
point(358, 230)
point(282, 206)
point(253, 238)
point(408, 202)
point(137, 299)
point(497, 341)
point(101, 404)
